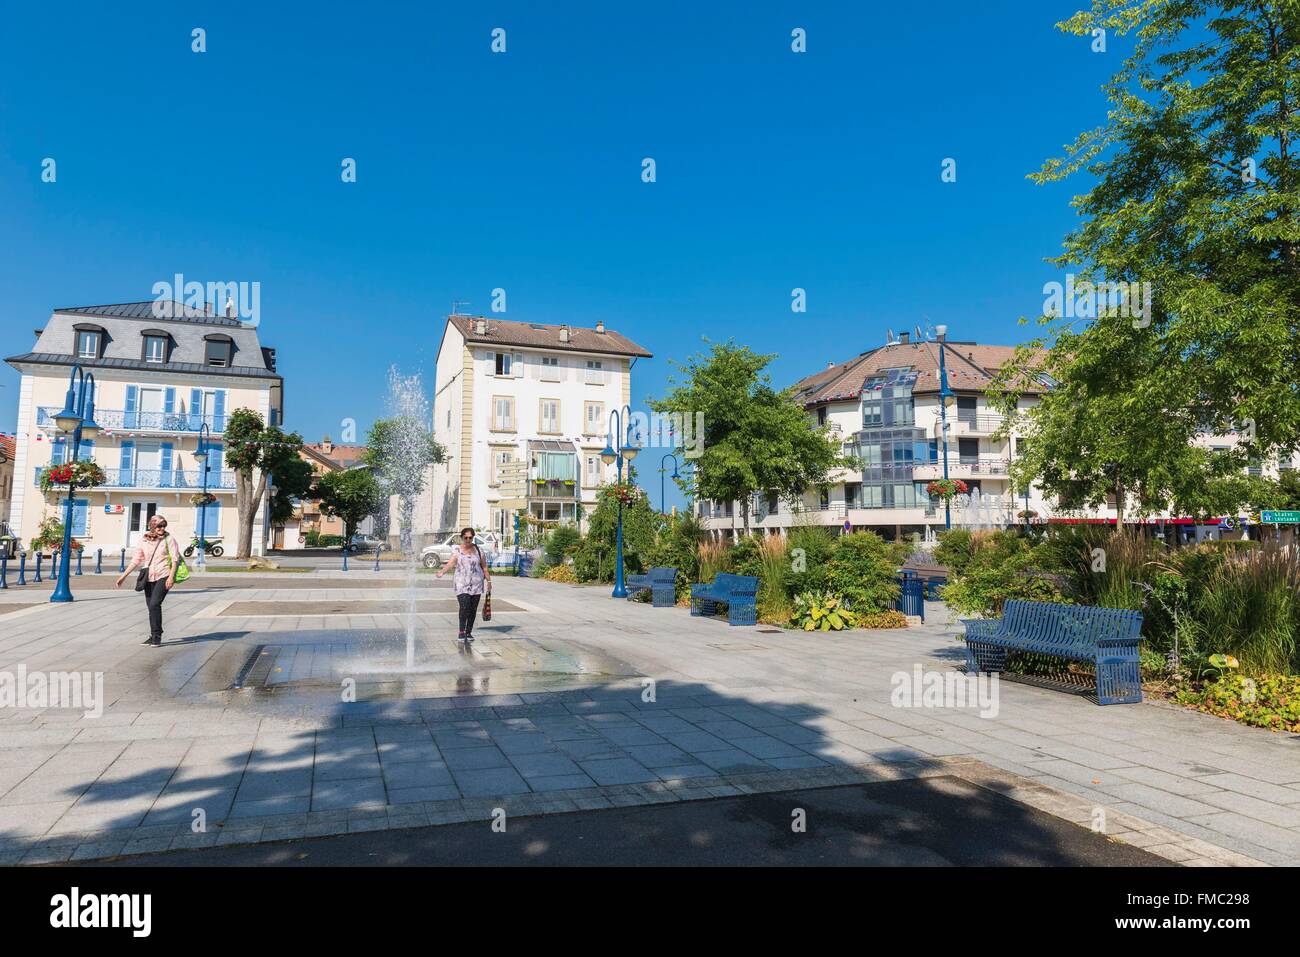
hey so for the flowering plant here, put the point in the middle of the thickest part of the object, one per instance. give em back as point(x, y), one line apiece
point(947, 488)
point(49, 536)
point(202, 498)
point(624, 492)
point(78, 474)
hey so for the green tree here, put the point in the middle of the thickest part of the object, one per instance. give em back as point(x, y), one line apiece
point(1196, 192)
point(255, 450)
point(755, 438)
point(399, 450)
point(293, 478)
point(594, 559)
point(352, 495)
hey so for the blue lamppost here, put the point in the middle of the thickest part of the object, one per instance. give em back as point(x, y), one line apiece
point(662, 470)
point(77, 417)
point(945, 397)
point(609, 456)
point(201, 456)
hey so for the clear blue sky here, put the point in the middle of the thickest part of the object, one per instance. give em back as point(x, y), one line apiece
point(522, 171)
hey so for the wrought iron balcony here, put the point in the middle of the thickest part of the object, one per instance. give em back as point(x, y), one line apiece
point(119, 420)
point(179, 479)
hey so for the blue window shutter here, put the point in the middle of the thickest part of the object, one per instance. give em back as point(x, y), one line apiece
point(211, 520)
point(216, 456)
point(124, 464)
point(165, 465)
point(169, 400)
point(80, 510)
point(87, 451)
point(58, 450)
point(219, 411)
point(196, 409)
point(132, 402)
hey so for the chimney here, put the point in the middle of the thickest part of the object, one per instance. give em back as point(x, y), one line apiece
point(600, 327)
point(830, 363)
point(326, 445)
point(904, 337)
point(564, 333)
point(480, 326)
point(230, 307)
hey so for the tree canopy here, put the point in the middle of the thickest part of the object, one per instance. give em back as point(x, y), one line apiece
point(254, 448)
point(756, 438)
point(351, 495)
point(1196, 197)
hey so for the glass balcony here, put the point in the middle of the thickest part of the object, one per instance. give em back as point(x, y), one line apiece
point(158, 479)
point(120, 420)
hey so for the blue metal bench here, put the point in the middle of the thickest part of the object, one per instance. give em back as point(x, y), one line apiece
point(662, 583)
point(738, 592)
point(1108, 637)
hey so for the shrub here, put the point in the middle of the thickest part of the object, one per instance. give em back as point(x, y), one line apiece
point(713, 557)
point(809, 574)
point(1002, 566)
point(820, 611)
point(1249, 607)
point(561, 573)
point(773, 597)
point(955, 550)
point(561, 543)
point(743, 557)
point(594, 559)
point(863, 571)
point(678, 547)
point(1271, 701)
point(883, 619)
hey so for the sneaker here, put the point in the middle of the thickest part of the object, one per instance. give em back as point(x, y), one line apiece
point(469, 639)
point(460, 635)
point(152, 641)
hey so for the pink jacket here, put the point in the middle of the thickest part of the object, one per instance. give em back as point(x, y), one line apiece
point(156, 554)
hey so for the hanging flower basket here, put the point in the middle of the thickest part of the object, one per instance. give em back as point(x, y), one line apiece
point(1026, 514)
point(202, 498)
point(78, 474)
point(624, 492)
point(947, 488)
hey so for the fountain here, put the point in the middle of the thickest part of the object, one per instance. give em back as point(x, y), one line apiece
point(404, 461)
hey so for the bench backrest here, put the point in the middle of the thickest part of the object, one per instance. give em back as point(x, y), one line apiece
point(1074, 627)
point(737, 585)
point(661, 573)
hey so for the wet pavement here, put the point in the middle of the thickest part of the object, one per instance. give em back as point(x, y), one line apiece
point(934, 822)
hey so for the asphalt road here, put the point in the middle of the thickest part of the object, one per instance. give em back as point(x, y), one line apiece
point(937, 821)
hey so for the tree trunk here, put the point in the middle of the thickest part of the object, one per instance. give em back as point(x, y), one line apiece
point(247, 500)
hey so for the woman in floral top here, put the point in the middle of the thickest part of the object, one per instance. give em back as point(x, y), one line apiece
point(471, 578)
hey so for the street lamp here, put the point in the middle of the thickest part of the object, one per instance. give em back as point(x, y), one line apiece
point(662, 470)
point(77, 417)
point(946, 398)
point(609, 456)
point(201, 456)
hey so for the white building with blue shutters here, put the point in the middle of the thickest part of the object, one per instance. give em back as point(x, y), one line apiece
point(161, 375)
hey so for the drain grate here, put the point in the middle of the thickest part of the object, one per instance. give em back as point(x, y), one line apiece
point(258, 656)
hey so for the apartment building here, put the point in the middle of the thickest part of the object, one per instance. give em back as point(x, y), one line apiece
point(884, 407)
point(162, 372)
point(324, 457)
point(522, 397)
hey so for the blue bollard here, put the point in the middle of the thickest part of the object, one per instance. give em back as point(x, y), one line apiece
point(99, 561)
point(22, 569)
point(376, 559)
point(80, 552)
point(122, 566)
point(345, 558)
point(37, 579)
point(4, 570)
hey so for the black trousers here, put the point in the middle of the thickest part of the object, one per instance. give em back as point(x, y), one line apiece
point(468, 611)
point(154, 593)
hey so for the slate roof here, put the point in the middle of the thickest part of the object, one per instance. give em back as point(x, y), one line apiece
point(166, 312)
point(970, 366)
point(537, 335)
point(198, 368)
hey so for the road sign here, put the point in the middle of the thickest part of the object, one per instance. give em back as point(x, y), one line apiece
point(1280, 518)
point(512, 479)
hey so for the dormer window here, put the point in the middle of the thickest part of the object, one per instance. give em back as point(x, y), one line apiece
point(218, 350)
point(155, 347)
point(90, 341)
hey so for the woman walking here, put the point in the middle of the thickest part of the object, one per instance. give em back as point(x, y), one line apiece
point(471, 579)
point(158, 556)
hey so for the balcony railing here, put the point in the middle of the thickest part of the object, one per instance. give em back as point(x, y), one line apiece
point(122, 421)
point(976, 422)
point(552, 489)
point(160, 479)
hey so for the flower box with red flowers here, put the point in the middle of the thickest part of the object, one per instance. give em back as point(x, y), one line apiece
point(947, 488)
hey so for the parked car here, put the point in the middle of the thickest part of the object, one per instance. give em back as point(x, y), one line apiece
point(365, 543)
point(437, 554)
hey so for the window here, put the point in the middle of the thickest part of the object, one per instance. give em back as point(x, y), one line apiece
point(824, 499)
point(502, 366)
point(550, 415)
point(821, 415)
point(550, 369)
point(155, 349)
point(594, 418)
point(88, 345)
point(503, 413)
point(500, 457)
point(852, 493)
point(595, 374)
point(217, 352)
point(592, 471)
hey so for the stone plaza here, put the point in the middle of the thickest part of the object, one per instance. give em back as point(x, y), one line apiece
point(279, 707)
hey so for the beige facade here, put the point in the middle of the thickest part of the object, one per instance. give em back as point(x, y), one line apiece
point(150, 417)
